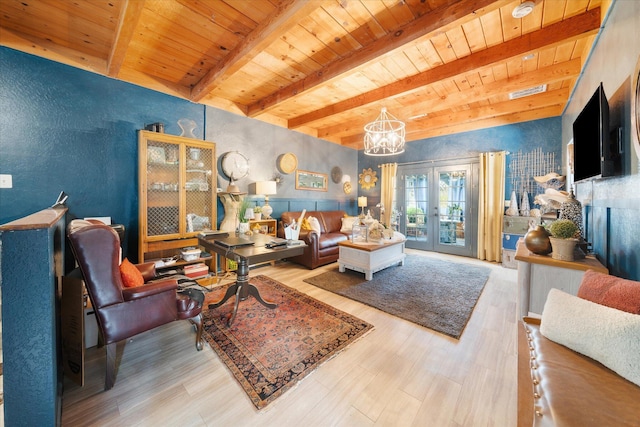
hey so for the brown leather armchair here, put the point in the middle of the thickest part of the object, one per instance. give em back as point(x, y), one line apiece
point(124, 312)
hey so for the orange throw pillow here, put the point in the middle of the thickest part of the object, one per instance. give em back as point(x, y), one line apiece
point(612, 291)
point(131, 276)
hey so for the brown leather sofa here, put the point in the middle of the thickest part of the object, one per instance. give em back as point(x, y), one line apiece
point(321, 249)
point(560, 387)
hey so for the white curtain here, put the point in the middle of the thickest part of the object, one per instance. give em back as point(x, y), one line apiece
point(388, 185)
point(491, 205)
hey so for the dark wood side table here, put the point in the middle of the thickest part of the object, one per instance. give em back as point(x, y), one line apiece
point(245, 256)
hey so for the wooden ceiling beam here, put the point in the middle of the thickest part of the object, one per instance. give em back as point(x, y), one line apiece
point(129, 17)
point(547, 75)
point(439, 20)
point(286, 15)
point(465, 118)
point(570, 29)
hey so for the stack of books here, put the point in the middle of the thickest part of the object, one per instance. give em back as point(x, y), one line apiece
point(196, 271)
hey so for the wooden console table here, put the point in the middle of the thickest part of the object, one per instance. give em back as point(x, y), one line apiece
point(537, 274)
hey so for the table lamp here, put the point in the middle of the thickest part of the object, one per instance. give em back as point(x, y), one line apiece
point(362, 203)
point(248, 213)
point(266, 188)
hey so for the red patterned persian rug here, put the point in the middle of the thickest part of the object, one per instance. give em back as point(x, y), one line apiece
point(269, 351)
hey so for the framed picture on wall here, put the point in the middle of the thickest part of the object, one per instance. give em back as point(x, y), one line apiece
point(315, 181)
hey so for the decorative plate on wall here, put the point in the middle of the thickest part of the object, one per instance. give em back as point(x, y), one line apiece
point(336, 174)
point(368, 179)
point(347, 187)
point(288, 163)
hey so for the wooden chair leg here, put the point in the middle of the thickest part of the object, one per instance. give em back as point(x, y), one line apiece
point(110, 377)
point(197, 323)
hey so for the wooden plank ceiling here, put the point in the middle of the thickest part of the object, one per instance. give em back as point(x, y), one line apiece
point(326, 67)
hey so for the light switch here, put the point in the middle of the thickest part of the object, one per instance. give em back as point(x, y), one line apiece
point(6, 181)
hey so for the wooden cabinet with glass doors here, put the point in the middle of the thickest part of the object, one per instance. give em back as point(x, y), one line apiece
point(177, 192)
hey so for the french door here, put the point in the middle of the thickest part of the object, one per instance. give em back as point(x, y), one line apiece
point(437, 207)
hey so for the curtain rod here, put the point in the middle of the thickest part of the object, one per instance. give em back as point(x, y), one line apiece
point(445, 159)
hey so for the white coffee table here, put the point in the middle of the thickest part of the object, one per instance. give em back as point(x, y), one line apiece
point(368, 258)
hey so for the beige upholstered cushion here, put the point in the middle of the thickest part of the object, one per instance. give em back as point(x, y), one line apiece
point(605, 334)
point(347, 224)
point(314, 224)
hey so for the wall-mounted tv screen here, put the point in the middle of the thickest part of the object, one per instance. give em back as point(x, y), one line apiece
point(591, 138)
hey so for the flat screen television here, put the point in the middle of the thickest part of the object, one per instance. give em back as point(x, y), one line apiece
point(591, 151)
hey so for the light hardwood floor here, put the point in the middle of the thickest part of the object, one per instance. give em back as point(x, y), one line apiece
point(400, 374)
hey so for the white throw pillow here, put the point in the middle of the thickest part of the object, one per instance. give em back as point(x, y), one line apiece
point(314, 224)
point(347, 224)
point(605, 334)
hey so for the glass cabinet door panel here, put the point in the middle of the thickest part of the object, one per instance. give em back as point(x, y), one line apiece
point(199, 188)
point(163, 188)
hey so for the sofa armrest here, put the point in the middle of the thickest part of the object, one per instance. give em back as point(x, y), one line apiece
point(310, 238)
point(558, 386)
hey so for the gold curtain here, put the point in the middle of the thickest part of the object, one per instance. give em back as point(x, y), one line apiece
point(388, 185)
point(491, 205)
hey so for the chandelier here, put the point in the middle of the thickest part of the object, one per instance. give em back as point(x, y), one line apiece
point(384, 136)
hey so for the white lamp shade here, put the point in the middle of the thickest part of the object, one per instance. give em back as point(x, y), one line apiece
point(362, 202)
point(266, 187)
point(248, 214)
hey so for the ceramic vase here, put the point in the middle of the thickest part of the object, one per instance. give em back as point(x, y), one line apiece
point(243, 228)
point(537, 241)
point(572, 209)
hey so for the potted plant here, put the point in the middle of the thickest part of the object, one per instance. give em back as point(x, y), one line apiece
point(243, 217)
point(257, 213)
point(564, 233)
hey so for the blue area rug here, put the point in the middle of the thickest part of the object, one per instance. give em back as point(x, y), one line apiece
point(436, 294)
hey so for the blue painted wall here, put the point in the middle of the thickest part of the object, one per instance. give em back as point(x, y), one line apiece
point(67, 129)
point(612, 205)
point(32, 367)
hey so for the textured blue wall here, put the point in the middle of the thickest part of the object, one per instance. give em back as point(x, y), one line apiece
point(32, 368)
point(612, 205)
point(67, 129)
